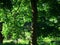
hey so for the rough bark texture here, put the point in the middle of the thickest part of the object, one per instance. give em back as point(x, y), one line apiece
point(34, 22)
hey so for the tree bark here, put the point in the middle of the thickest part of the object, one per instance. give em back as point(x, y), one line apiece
point(34, 22)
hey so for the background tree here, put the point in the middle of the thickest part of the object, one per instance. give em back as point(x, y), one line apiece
point(34, 21)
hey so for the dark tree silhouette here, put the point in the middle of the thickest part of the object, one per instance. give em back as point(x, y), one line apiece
point(34, 22)
point(1, 36)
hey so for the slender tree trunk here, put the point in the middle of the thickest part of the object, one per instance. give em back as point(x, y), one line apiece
point(34, 22)
point(1, 36)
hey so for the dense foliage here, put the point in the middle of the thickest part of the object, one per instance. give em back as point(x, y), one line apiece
point(17, 15)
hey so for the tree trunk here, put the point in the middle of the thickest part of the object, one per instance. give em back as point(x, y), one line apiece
point(34, 22)
point(1, 36)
